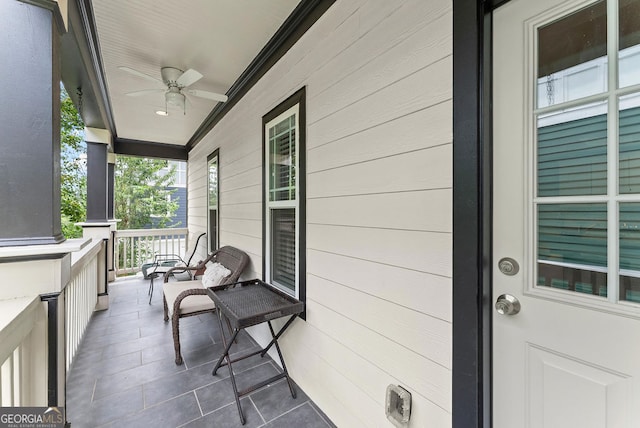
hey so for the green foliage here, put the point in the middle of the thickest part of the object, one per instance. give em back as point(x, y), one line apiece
point(73, 179)
point(141, 197)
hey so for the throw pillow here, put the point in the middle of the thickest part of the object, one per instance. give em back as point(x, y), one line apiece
point(214, 275)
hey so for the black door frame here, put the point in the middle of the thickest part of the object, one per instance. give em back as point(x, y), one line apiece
point(472, 212)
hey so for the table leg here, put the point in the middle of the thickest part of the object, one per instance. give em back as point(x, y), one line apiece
point(225, 355)
point(284, 367)
point(276, 337)
point(227, 346)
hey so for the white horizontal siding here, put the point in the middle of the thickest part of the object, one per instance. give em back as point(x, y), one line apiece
point(432, 295)
point(419, 170)
point(410, 210)
point(378, 78)
point(407, 134)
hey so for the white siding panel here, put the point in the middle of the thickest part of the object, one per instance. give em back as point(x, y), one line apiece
point(242, 211)
point(337, 396)
point(199, 193)
point(427, 87)
point(353, 43)
point(246, 227)
point(422, 251)
point(198, 223)
point(249, 244)
point(238, 157)
point(428, 378)
point(359, 371)
point(247, 195)
point(346, 23)
point(402, 210)
point(423, 48)
point(379, 176)
point(242, 180)
point(425, 335)
point(248, 162)
point(418, 291)
point(429, 127)
point(424, 169)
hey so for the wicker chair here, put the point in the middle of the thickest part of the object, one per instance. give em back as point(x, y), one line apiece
point(189, 298)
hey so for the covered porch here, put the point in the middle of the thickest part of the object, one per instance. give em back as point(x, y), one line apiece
point(124, 373)
point(369, 85)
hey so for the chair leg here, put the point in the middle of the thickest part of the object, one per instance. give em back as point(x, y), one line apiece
point(151, 288)
point(175, 321)
point(166, 308)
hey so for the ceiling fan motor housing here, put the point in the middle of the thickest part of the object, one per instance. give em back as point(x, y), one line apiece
point(170, 75)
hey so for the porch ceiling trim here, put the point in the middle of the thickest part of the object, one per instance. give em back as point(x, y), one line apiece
point(82, 70)
point(124, 146)
point(300, 20)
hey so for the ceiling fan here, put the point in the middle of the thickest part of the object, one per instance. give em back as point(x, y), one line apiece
point(176, 82)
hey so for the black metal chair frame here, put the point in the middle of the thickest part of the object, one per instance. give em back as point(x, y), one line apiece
point(167, 262)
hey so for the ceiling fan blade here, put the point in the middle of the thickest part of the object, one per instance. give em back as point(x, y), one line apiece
point(140, 74)
point(144, 92)
point(189, 77)
point(206, 94)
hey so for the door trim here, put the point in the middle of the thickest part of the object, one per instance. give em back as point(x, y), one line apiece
point(472, 212)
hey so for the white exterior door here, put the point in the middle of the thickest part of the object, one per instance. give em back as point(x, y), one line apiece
point(566, 121)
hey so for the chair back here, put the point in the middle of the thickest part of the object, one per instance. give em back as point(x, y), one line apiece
point(233, 259)
point(195, 249)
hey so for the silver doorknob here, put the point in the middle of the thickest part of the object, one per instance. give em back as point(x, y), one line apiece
point(507, 305)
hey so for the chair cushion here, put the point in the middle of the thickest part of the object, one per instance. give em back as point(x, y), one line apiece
point(190, 303)
point(214, 274)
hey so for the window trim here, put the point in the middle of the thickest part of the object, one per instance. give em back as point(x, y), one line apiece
point(214, 155)
point(298, 98)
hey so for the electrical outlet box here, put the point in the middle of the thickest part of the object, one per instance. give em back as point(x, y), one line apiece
point(398, 406)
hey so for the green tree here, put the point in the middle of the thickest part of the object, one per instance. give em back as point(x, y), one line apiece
point(73, 178)
point(141, 194)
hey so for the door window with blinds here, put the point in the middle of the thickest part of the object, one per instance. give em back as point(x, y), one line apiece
point(284, 191)
point(212, 200)
point(586, 197)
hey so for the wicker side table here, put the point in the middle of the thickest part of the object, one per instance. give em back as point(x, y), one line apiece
point(246, 304)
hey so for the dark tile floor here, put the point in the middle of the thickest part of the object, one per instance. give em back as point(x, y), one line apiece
point(124, 374)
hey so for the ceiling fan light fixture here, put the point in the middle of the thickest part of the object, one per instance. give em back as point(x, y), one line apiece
point(175, 81)
point(174, 99)
point(162, 113)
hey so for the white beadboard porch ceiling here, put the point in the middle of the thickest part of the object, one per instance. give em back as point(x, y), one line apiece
point(218, 38)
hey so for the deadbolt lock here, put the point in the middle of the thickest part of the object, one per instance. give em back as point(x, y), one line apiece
point(508, 266)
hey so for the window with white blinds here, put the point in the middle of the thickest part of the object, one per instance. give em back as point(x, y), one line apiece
point(284, 196)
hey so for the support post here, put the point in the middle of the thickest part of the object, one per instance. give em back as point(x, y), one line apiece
point(30, 123)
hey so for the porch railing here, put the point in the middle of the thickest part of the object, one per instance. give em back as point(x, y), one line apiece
point(25, 330)
point(22, 351)
point(81, 295)
point(134, 247)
